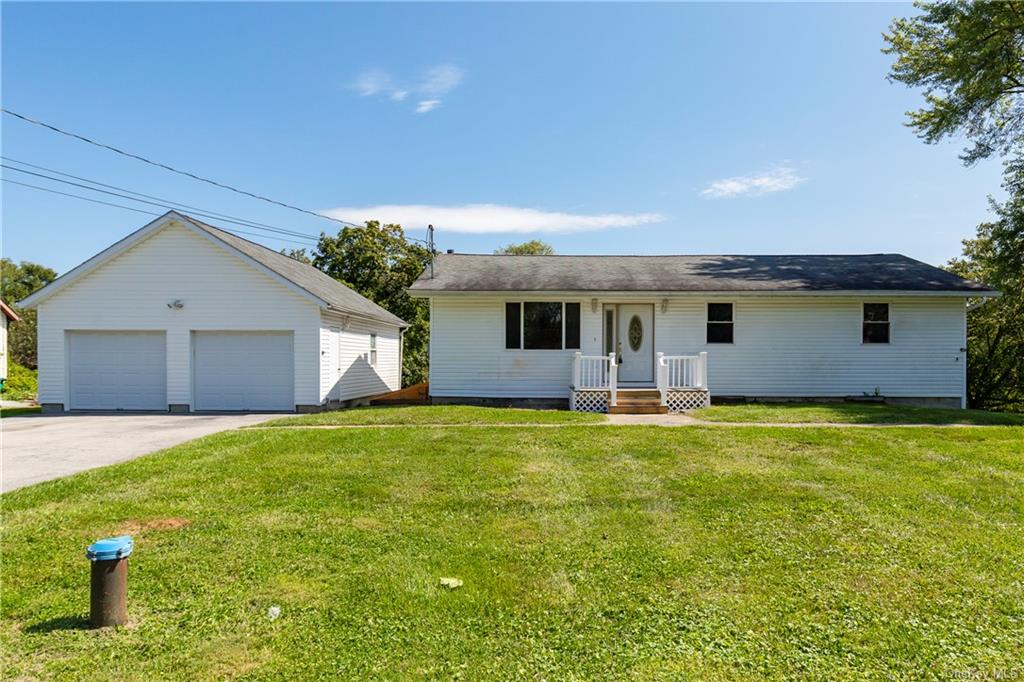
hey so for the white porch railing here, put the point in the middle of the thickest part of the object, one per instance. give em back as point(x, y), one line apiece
point(681, 371)
point(596, 373)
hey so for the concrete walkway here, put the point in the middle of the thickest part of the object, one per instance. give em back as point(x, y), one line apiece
point(42, 447)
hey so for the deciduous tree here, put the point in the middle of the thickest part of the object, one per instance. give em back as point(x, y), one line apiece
point(18, 280)
point(379, 262)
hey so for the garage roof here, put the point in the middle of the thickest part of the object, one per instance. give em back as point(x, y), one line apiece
point(328, 291)
point(324, 287)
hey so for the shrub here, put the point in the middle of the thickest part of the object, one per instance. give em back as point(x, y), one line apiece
point(21, 383)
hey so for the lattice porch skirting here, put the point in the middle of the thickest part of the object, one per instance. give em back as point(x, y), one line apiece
point(687, 399)
point(588, 401)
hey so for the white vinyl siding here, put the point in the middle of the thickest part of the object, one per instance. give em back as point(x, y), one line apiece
point(353, 376)
point(468, 357)
point(219, 291)
point(785, 346)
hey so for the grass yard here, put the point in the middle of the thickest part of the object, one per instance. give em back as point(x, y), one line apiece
point(18, 411)
point(616, 552)
point(852, 413)
point(437, 414)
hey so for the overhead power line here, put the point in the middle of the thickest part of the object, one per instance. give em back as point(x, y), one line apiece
point(162, 203)
point(172, 169)
point(247, 221)
point(136, 210)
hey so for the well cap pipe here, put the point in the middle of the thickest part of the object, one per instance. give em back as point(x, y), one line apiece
point(108, 549)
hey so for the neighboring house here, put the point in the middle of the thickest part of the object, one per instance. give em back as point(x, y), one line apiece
point(9, 316)
point(595, 329)
point(183, 316)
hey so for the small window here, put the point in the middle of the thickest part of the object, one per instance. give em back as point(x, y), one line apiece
point(572, 325)
point(512, 325)
point(875, 327)
point(720, 323)
point(609, 331)
point(542, 326)
point(373, 350)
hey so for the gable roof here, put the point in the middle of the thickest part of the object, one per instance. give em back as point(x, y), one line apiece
point(325, 290)
point(8, 312)
point(885, 272)
point(334, 293)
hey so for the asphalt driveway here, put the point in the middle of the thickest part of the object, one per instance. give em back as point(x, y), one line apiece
point(42, 447)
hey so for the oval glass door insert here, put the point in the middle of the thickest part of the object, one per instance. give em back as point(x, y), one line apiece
point(636, 333)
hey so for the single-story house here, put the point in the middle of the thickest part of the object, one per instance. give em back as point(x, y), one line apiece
point(183, 316)
point(8, 316)
point(605, 332)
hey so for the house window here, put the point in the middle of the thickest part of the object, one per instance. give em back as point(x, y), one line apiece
point(875, 326)
point(373, 350)
point(542, 325)
point(512, 325)
point(572, 325)
point(720, 323)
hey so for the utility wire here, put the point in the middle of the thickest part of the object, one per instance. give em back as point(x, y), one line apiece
point(251, 223)
point(158, 164)
point(136, 210)
point(164, 205)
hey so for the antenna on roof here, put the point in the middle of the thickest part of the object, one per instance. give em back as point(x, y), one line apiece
point(430, 246)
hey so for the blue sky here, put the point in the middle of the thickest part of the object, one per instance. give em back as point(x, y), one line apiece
point(599, 128)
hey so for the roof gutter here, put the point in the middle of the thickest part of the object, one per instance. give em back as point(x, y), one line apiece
point(986, 293)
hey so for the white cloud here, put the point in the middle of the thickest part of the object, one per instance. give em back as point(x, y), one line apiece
point(491, 218)
point(432, 84)
point(426, 105)
point(372, 82)
point(439, 80)
point(778, 179)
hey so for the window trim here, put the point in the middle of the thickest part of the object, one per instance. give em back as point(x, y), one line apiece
point(522, 326)
point(707, 313)
point(888, 322)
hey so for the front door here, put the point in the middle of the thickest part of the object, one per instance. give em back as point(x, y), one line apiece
point(636, 343)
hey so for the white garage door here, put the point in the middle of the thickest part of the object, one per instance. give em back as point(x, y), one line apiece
point(117, 370)
point(243, 370)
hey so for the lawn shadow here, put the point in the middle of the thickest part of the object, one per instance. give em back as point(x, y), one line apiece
point(58, 624)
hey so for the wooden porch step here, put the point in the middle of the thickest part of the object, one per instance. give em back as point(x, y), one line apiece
point(638, 409)
point(639, 393)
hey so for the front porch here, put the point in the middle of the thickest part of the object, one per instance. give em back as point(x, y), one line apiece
point(680, 385)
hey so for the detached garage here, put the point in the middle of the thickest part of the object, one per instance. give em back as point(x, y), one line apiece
point(183, 316)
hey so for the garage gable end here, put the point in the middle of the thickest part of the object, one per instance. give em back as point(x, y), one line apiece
point(170, 220)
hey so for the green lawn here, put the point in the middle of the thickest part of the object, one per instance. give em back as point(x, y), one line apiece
point(639, 552)
point(18, 411)
point(851, 413)
point(438, 414)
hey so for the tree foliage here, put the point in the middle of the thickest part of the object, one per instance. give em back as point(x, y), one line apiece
point(968, 57)
point(301, 255)
point(534, 247)
point(380, 263)
point(18, 280)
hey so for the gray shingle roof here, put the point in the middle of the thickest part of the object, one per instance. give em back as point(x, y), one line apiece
point(871, 272)
point(337, 295)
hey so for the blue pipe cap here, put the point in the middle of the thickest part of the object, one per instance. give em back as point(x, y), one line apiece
point(110, 548)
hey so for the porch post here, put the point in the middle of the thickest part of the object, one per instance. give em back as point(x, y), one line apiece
point(661, 374)
point(576, 361)
point(613, 379)
point(702, 369)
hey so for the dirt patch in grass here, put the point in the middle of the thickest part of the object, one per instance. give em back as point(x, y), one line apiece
point(135, 527)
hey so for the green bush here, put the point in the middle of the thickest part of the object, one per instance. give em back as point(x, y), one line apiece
point(21, 383)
